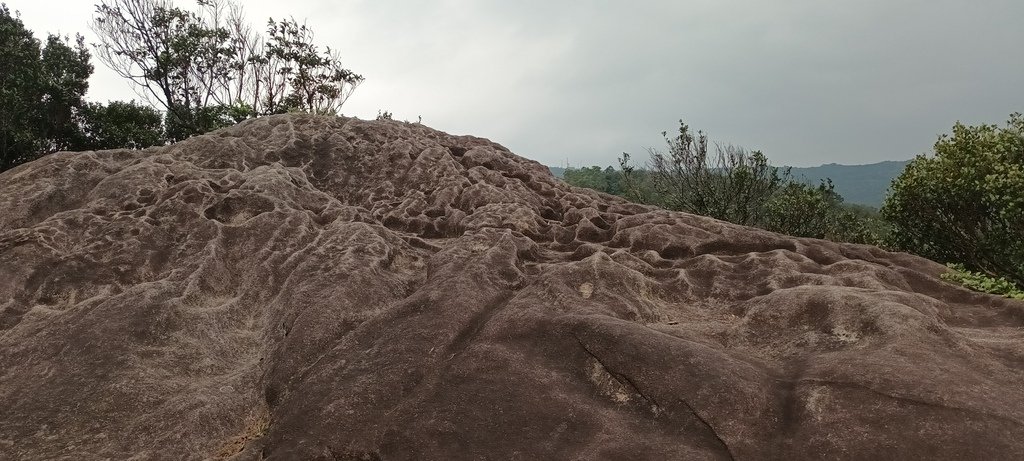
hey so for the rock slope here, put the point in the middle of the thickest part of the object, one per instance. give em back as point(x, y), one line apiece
point(300, 287)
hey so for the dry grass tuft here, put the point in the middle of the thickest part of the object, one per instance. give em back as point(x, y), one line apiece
point(256, 426)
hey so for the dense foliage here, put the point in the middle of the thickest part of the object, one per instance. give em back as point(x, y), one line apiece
point(42, 89)
point(600, 179)
point(806, 210)
point(965, 204)
point(42, 100)
point(121, 124)
point(197, 71)
point(209, 68)
point(733, 184)
point(981, 282)
point(730, 184)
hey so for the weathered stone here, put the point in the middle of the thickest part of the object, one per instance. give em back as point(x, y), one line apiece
point(301, 287)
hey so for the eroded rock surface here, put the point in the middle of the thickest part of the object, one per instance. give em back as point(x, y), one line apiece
point(301, 287)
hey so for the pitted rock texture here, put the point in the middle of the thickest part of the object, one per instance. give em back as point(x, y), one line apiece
point(300, 287)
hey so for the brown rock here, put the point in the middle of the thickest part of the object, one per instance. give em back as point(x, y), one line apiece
point(300, 287)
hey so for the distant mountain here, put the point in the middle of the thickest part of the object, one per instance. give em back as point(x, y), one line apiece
point(861, 184)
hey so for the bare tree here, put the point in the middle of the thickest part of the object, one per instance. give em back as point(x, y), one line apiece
point(731, 183)
point(208, 68)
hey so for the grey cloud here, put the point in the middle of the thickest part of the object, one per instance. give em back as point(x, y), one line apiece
point(807, 82)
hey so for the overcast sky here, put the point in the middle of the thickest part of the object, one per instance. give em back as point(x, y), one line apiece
point(807, 82)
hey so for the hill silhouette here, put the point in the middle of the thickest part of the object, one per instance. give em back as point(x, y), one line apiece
point(860, 184)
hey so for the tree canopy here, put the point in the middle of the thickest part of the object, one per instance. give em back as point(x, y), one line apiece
point(42, 100)
point(121, 124)
point(965, 204)
point(195, 70)
point(209, 68)
point(728, 183)
point(736, 185)
point(42, 89)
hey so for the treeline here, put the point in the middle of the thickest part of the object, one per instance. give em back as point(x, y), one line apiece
point(733, 184)
point(194, 72)
point(42, 100)
point(963, 205)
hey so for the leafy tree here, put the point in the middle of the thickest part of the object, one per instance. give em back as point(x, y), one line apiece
point(636, 184)
point(591, 178)
point(42, 100)
point(605, 180)
point(42, 91)
point(806, 210)
point(121, 125)
point(738, 186)
point(730, 184)
point(65, 79)
point(308, 80)
point(965, 204)
point(871, 220)
point(19, 51)
point(613, 181)
point(209, 68)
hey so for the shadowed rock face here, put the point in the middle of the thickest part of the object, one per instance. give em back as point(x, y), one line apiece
point(301, 287)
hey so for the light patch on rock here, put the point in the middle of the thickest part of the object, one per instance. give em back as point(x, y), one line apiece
point(844, 335)
point(607, 385)
point(815, 402)
point(586, 290)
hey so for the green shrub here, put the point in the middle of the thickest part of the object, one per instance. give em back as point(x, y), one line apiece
point(600, 179)
point(732, 184)
point(978, 281)
point(965, 204)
